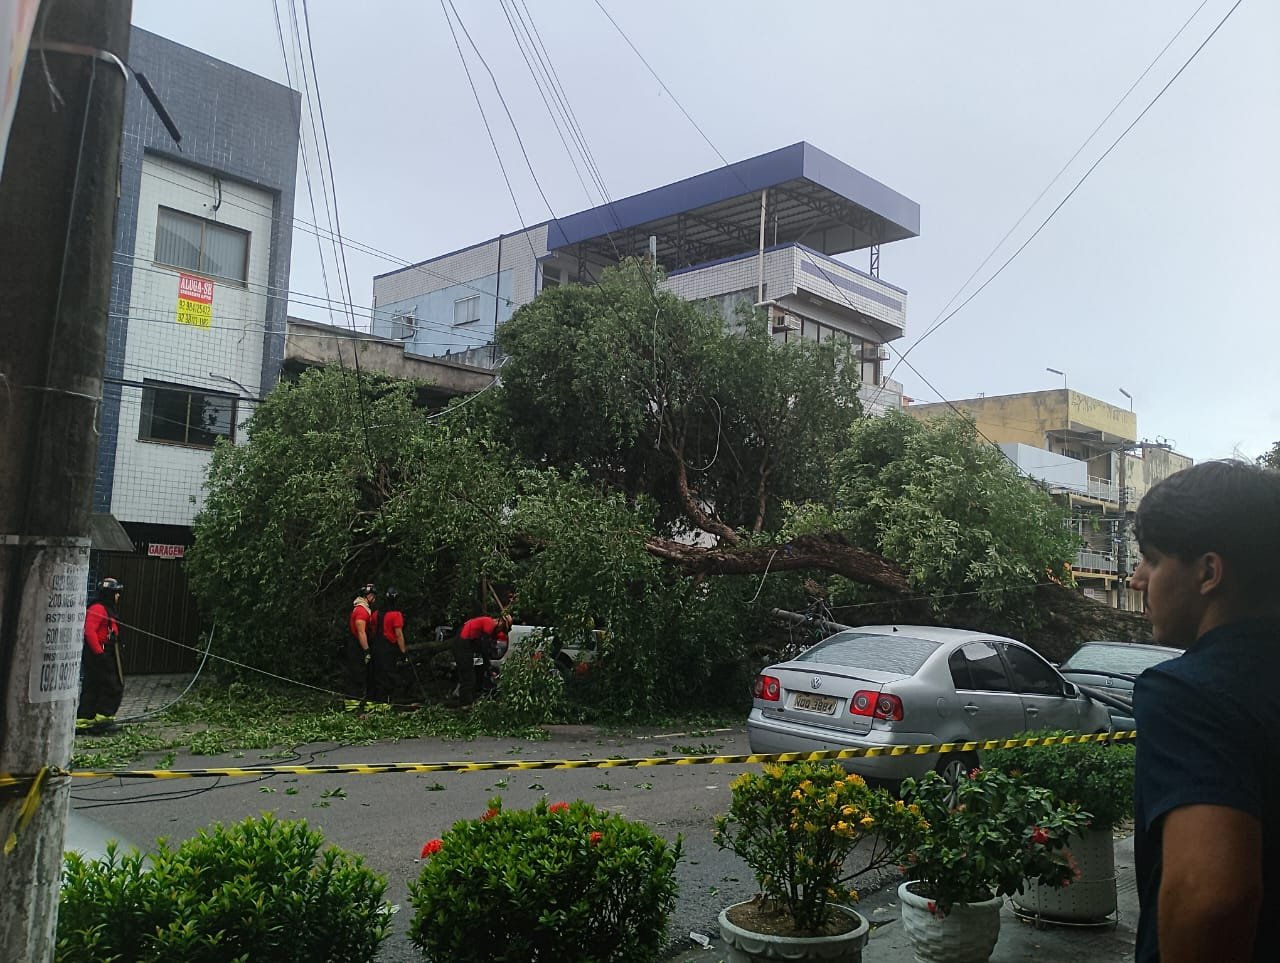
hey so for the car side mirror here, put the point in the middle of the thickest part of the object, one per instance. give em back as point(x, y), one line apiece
point(1069, 689)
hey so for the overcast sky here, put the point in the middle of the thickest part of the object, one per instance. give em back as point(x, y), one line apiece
point(1151, 278)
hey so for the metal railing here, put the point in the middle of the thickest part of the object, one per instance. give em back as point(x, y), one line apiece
point(1089, 561)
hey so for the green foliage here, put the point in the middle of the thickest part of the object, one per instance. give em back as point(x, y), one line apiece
point(1096, 776)
point(797, 825)
point(315, 504)
point(655, 395)
point(1272, 458)
point(552, 883)
point(259, 890)
point(987, 834)
point(949, 507)
point(532, 687)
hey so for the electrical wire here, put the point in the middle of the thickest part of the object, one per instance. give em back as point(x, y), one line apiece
point(1078, 184)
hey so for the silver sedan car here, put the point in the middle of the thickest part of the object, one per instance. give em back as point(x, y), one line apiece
point(902, 685)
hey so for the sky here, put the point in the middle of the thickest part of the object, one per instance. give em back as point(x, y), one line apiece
point(1151, 277)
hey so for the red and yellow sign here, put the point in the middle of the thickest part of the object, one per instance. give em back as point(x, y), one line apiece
point(195, 300)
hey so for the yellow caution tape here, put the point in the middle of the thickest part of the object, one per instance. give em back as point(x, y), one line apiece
point(507, 765)
point(28, 809)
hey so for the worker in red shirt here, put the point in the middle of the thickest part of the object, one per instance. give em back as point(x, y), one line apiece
point(387, 645)
point(481, 636)
point(359, 657)
point(101, 676)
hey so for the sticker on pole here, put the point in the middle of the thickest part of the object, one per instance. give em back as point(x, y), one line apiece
point(54, 621)
point(195, 300)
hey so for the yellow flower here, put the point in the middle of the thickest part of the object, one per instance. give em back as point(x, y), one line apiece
point(899, 804)
point(810, 827)
point(867, 821)
point(797, 794)
point(774, 770)
point(853, 896)
point(847, 811)
point(914, 809)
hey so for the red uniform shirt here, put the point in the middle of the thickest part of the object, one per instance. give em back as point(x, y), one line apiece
point(479, 626)
point(390, 622)
point(360, 612)
point(99, 625)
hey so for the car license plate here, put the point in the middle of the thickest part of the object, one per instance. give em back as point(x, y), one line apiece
point(811, 702)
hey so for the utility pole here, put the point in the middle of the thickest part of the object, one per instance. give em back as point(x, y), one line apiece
point(1122, 536)
point(57, 208)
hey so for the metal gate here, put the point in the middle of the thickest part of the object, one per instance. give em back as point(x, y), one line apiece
point(157, 606)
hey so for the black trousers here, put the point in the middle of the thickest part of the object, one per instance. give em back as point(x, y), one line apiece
point(101, 686)
point(358, 674)
point(469, 679)
point(383, 683)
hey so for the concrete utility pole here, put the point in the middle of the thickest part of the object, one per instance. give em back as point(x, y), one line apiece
point(57, 228)
point(1122, 535)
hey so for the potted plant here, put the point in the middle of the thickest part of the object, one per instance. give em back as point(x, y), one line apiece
point(1098, 777)
point(796, 825)
point(985, 835)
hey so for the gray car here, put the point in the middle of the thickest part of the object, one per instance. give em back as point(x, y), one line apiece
point(1113, 667)
point(902, 685)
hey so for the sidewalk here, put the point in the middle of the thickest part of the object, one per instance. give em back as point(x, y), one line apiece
point(1018, 940)
point(144, 694)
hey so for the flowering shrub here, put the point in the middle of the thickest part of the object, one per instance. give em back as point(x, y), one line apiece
point(261, 889)
point(552, 883)
point(795, 826)
point(986, 835)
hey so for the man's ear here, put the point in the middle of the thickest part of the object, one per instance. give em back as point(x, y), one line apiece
point(1210, 572)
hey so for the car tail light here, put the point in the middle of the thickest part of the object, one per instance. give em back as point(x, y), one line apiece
point(767, 688)
point(878, 705)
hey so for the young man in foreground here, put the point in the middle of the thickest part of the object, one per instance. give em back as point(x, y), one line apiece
point(1208, 771)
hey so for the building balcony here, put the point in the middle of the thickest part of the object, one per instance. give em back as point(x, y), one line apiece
point(1088, 561)
point(798, 276)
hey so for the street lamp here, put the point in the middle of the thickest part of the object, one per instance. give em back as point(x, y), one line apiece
point(1129, 396)
point(1057, 372)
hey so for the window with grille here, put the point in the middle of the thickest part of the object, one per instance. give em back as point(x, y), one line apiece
point(175, 415)
point(466, 310)
point(195, 244)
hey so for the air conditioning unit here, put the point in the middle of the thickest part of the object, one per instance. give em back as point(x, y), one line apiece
point(785, 322)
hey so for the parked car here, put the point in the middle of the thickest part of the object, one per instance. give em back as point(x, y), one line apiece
point(1114, 667)
point(902, 685)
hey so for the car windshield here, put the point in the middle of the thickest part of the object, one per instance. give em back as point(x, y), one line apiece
point(859, 650)
point(1127, 660)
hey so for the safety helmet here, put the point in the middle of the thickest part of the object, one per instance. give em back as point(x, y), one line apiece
point(368, 589)
point(108, 587)
point(391, 594)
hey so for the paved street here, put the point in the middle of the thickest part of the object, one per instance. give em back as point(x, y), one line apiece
point(387, 818)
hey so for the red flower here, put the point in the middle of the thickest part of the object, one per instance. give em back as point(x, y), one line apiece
point(560, 807)
point(488, 814)
point(595, 838)
point(432, 847)
point(1040, 835)
point(973, 773)
point(582, 668)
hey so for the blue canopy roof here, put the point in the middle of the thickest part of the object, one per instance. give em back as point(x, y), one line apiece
point(813, 199)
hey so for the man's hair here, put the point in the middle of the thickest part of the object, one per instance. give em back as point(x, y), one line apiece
point(1228, 507)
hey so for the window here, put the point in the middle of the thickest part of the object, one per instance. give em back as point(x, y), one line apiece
point(186, 241)
point(404, 326)
point(856, 650)
point(180, 416)
point(985, 671)
point(550, 277)
point(466, 310)
point(1031, 674)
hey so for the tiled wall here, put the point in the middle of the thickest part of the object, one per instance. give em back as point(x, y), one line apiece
point(245, 129)
point(158, 482)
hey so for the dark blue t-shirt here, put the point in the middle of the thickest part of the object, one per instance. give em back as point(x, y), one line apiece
point(1207, 735)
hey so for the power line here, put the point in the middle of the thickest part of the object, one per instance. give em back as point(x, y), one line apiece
point(674, 99)
point(1084, 177)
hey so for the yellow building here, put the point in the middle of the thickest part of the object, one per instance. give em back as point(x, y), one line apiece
point(1087, 452)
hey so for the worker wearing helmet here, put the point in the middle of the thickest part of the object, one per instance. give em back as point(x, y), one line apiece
point(388, 647)
point(359, 657)
point(101, 675)
point(485, 637)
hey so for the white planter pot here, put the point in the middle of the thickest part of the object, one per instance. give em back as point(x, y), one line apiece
point(967, 934)
point(745, 946)
point(1091, 898)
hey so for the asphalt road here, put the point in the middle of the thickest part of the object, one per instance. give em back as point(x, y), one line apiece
point(387, 818)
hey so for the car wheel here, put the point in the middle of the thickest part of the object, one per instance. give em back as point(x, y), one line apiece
point(953, 768)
